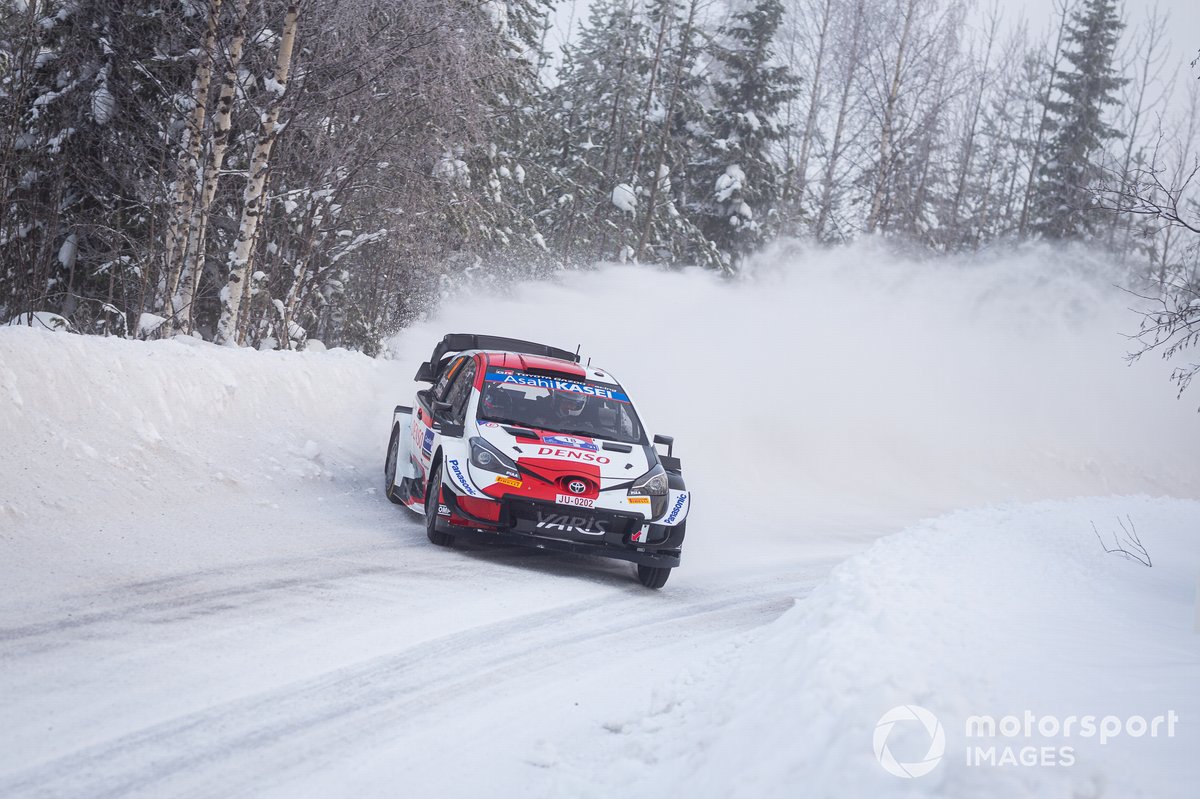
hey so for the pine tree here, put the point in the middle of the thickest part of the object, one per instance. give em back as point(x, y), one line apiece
point(1076, 119)
point(87, 106)
point(743, 181)
point(667, 234)
point(597, 109)
point(510, 169)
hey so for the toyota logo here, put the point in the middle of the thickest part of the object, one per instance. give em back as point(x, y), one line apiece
point(577, 486)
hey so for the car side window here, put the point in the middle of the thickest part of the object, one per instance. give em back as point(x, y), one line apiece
point(443, 383)
point(461, 391)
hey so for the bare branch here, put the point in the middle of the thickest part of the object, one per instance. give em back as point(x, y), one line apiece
point(1131, 549)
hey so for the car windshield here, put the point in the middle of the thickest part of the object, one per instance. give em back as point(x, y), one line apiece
point(559, 404)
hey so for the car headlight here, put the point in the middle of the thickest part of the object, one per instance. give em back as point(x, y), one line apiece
point(485, 456)
point(651, 484)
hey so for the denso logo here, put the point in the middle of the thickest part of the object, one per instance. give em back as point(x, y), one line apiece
point(675, 510)
point(464, 484)
point(574, 454)
point(588, 525)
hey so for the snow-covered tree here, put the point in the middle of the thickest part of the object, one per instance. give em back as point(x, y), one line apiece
point(912, 47)
point(87, 97)
point(599, 107)
point(1077, 121)
point(241, 253)
point(740, 170)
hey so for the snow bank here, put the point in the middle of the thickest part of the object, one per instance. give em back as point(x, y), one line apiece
point(109, 444)
point(831, 392)
point(998, 612)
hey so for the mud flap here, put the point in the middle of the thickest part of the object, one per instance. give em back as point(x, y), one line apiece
point(678, 505)
point(406, 470)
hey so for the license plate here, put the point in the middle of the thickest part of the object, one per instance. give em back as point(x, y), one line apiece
point(578, 502)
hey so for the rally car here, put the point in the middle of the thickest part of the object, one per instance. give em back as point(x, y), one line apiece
point(518, 443)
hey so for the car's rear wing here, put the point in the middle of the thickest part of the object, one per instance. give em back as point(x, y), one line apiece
point(458, 342)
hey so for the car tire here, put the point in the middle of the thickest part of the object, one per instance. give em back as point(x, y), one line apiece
point(653, 576)
point(432, 494)
point(389, 468)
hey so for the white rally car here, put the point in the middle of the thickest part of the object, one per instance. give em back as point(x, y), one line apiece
point(518, 443)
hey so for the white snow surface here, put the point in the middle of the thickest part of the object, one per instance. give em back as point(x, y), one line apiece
point(624, 198)
point(42, 320)
point(206, 593)
point(733, 179)
point(1004, 611)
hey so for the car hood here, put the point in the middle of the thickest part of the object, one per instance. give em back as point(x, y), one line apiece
point(547, 450)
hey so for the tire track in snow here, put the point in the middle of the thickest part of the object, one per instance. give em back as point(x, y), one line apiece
point(298, 727)
point(174, 596)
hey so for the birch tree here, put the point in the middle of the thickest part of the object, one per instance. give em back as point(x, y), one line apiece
point(187, 165)
point(1144, 93)
point(967, 166)
point(817, 20)
point(906, 92)
point(850, 63)
point(252, 199)
point(197, 239)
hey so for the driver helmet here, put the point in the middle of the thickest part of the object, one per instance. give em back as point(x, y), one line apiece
point(569, 403)
point(496, 401)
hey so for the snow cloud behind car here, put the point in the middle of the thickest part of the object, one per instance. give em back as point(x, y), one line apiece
point(862, 386)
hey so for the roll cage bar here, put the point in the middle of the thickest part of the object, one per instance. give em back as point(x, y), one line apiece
point(458, 342)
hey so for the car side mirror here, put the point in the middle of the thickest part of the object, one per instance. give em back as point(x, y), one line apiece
point(669, 441)
point(442, 421)
point(425, 373)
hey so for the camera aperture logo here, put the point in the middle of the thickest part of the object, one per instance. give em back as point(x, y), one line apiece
point(937, 741)
point(1028, 740)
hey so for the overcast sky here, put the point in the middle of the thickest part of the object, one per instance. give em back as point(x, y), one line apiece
point(1183, 32)
point(1183, 29)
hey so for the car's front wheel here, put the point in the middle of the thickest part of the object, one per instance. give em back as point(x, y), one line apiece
point(433, 495)
point(653, 576)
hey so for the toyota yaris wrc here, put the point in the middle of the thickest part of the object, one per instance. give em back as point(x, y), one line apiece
point(518, 443)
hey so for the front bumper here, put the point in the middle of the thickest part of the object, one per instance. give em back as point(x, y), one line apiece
point(544, 525)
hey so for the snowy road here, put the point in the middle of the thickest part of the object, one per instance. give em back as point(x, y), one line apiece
point(262, 675)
